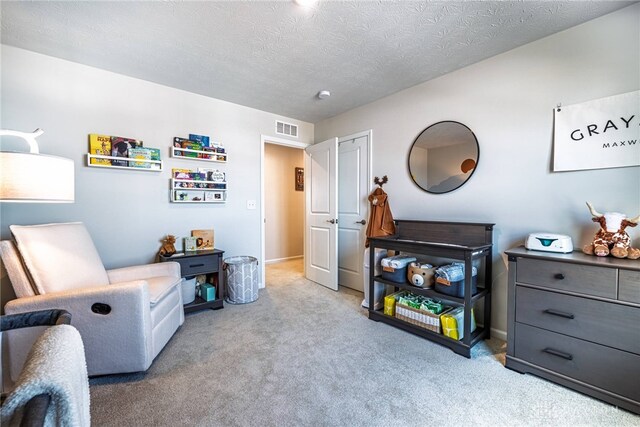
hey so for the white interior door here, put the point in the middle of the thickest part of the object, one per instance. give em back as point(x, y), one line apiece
point(353, 190)
point(321, 255)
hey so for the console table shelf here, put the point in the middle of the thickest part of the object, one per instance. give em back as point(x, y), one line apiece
point(471, 243)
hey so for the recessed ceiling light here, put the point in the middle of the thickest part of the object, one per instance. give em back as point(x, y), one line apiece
point(305, 3)
point(323, 94)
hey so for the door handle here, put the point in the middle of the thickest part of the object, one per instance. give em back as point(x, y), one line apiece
point(363, 222)
point(332, 221)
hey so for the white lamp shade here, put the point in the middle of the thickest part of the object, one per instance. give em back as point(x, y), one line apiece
point(27, 177)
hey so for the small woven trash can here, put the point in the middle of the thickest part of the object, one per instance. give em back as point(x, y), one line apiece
point(241, 279)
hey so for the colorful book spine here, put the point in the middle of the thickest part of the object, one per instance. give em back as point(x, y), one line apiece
point(101, 145)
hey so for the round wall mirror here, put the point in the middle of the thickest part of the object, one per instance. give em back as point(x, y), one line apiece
point(443, 157)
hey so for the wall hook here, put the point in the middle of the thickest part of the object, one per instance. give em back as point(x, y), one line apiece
point(380, 182)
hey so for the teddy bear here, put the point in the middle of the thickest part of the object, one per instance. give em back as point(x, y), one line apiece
point(168, 248)
point(612, 237)
point(421, 275)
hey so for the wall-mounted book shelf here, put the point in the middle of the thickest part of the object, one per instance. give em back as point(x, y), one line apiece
point(198, 191)
point(206, 156)
point(145, 165)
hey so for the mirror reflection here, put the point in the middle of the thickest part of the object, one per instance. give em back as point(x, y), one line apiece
point(443, 157)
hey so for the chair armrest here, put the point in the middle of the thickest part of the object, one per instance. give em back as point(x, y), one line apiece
point(120, 338)
point(34, 318)
point(142, 272)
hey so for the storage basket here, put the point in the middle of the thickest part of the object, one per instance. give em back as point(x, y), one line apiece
point(242, 279)
point(188, 290)
point(422, 318)
point(395, 268)
point(456, 289)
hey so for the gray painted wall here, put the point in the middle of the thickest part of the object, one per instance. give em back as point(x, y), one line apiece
point(508, 101)
point(128, 212)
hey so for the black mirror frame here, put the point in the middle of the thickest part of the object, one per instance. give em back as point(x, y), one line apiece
point(416, 140)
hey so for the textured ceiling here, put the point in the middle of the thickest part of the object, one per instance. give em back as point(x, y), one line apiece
point(276, 56)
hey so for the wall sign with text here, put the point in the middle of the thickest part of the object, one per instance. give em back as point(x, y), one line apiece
point(603, 133)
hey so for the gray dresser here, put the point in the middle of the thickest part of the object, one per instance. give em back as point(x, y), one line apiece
point(575, 319)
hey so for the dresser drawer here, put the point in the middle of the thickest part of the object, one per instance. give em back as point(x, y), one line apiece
point(629, 286)
point(601, 322)
point(613, 370)
point(200, 264)
point(584, 279)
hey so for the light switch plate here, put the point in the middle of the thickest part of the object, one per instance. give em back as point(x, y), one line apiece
point(251, 204)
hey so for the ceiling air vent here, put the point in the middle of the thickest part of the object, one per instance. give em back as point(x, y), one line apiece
point(288, 129)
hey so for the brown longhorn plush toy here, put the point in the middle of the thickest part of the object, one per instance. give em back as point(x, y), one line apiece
point(167, 248)
point(612, 237)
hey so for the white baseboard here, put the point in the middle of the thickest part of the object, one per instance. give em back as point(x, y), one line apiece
point(500, 334)
point(276, 260)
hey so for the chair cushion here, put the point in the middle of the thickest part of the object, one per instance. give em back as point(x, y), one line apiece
point(59, 257)
point(160, 286)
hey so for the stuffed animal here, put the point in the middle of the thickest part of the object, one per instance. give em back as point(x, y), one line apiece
point(612, 237)
point(167, 248)
point(421, 275)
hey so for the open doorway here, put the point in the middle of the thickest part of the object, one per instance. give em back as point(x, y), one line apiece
point(283, 205)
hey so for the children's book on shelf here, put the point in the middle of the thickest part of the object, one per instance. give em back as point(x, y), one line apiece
point(218, 146)
point(214, 196)
point(177, 143)
point(189, 244)
point(186, 144)
point(120, 148)
point(202, 139)
point(155, 155)
point(204, 239)
point(192, 145)
point(181, 173)
point(212, 174)
point(101, 145)
point(189, 174)
point(189, 195)
point(140, 153)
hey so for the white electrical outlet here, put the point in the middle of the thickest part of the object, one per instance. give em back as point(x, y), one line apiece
point(251, 204)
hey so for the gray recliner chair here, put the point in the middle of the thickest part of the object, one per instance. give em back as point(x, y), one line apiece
point(125, 316)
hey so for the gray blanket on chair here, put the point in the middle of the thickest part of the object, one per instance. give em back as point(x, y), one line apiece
point(56, 366)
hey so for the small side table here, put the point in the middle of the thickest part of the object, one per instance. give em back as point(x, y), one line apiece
point(201, 262)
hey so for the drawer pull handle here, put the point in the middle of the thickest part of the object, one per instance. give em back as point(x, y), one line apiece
point(196, 265)
point(559, 313)
point(559, 276)
point(558, 353)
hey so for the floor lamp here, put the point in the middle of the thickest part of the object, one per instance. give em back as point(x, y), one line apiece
point(34, 177)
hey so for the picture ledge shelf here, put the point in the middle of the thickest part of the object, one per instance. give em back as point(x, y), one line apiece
point(179, 154)
point(124, 159)
point(215, 195)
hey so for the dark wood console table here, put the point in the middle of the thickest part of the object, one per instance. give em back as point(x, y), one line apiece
point(202, 262)
point(470, 243)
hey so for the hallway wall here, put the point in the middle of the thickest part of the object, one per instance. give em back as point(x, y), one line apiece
point(284, 206)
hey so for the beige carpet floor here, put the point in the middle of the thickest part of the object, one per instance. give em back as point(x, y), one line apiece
point(303, 355)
